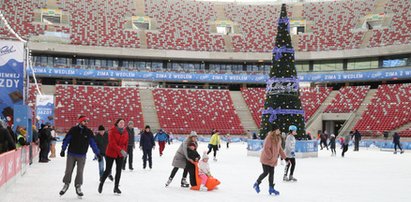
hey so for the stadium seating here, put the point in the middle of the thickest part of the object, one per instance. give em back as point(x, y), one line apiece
point(311, 99)
point(184, 110)
point(103, 105)
point(348, 99)
point(186, 25)
point(31, 101)
point(405, 133)
point(389, 109)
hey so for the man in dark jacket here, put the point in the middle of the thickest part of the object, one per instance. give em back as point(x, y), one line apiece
point(6, 141)
point(130, 147)
point(78, 139)
point(45, 139)
point(147, 144)
point(357, 139)
point(102, 142)
point(397, 143)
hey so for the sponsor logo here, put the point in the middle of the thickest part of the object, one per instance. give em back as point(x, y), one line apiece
point(7, 50)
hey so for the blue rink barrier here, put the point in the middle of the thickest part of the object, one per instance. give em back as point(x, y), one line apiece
point(303, 148)
point(383, 144)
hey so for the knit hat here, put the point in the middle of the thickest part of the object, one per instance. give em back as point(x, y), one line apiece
point(205, 156)
point(101, 127)
point(130, 122)
point(192, 144)
point(147, 126)
point(274, 127)
point(82, 118)
point(193, 134)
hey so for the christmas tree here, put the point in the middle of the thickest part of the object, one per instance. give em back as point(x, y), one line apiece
point(282, 104)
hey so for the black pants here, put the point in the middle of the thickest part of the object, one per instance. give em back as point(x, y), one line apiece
point(397, 145)
point(109, 166)
point(333, 150)
point(267, 170)
point(147, 157)
point(130, 158)
point(44, 150)
point(345, 149)
point(191, 169)
point(214, 148)
point(291, 164)
point(323, 142)
point(174, 171)
point(356, 145)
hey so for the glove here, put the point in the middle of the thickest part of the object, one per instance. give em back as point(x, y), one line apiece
point(99, 157)
point(219, 146)
point(62, 154)
point(123, 153)
point(292, 153)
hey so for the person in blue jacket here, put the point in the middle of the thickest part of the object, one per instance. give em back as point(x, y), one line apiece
point(162, 138)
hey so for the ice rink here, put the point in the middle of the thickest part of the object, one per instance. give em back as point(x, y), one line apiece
point(367, 175)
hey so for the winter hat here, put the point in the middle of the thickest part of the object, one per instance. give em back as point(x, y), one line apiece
point(205, 156)
point(147, 126)
point(130, 122)
point(82, 118)
point(292, 128)
point(274, 127)
point(193, 134)
point(332, 135)
point(101, 127)
point(192, 144)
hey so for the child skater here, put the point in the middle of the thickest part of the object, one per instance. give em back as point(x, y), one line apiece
point(290, 153)
point(193, 156)
point(204, 171)
point(269, 156)
point(332, 145)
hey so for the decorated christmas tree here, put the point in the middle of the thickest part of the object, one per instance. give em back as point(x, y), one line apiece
point(282, 104)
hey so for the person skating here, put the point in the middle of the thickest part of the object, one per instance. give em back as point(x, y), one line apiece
point(332, 145)
point(78, 139)
point(214, 144)
point(193, 156)
point(269, 157)
point(397, 143)
point(162, 139)
point(357, 139)
point(290, 153)
point(180, 158)
point(346, 142)
point(116, 151)
point(102, 142)
point(147, 145)
point(130, 147)
point(228, 139)
point(323, 140)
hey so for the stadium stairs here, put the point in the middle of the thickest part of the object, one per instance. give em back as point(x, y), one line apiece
point(243, 111)
point(315, 122)
point(149, 109)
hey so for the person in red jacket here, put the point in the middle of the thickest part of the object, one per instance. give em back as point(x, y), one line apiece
point(116, 151)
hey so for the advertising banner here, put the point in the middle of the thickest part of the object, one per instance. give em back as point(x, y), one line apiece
point(11, 76)
point(10, 165)
point(2, 169)
point(45, 108)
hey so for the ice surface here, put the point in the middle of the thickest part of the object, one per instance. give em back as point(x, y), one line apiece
point(367, 175)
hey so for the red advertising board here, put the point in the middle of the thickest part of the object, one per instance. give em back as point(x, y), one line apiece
point(2, 169)
point(10, 165)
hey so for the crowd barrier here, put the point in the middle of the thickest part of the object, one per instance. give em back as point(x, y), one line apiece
point(383, 144)
point(14, 164)
point(303, 148)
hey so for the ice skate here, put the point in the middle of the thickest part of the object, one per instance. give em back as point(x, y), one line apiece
point(203, 188)
point(184, 183)
point(256, 186)
point(169, 181)
point(271, 190)
point(285, 178)
point(214, 159)
point(292, 179)
point(110, 177)
point(63, 191)
point(402, 151)
point(117, 190)
point(100, 187)
point(79, 192)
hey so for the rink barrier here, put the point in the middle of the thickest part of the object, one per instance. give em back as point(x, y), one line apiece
point(383, 144)
point(303, 148)
point(14, 164)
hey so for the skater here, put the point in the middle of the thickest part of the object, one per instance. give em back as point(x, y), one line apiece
point(78, 139)
point(345, 144)
point(130, 147)
point(290, 153)
point(102, 142)
point(45, 139)
point(193, 156)
point(147, 144)
point(269, 157)
point(180, 159)
point(323, 140)
point(162, 138)
point(397, 143)
point(53, 142)
point(116, 151)
point(214, 144)
point(357, 139)
point(204, 171)
point(228, 139)
point(332, 145)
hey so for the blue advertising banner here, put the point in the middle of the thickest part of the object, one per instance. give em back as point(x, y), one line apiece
point(375, 74)
point(303, 148)
point(11, 76)
point(45, 109)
